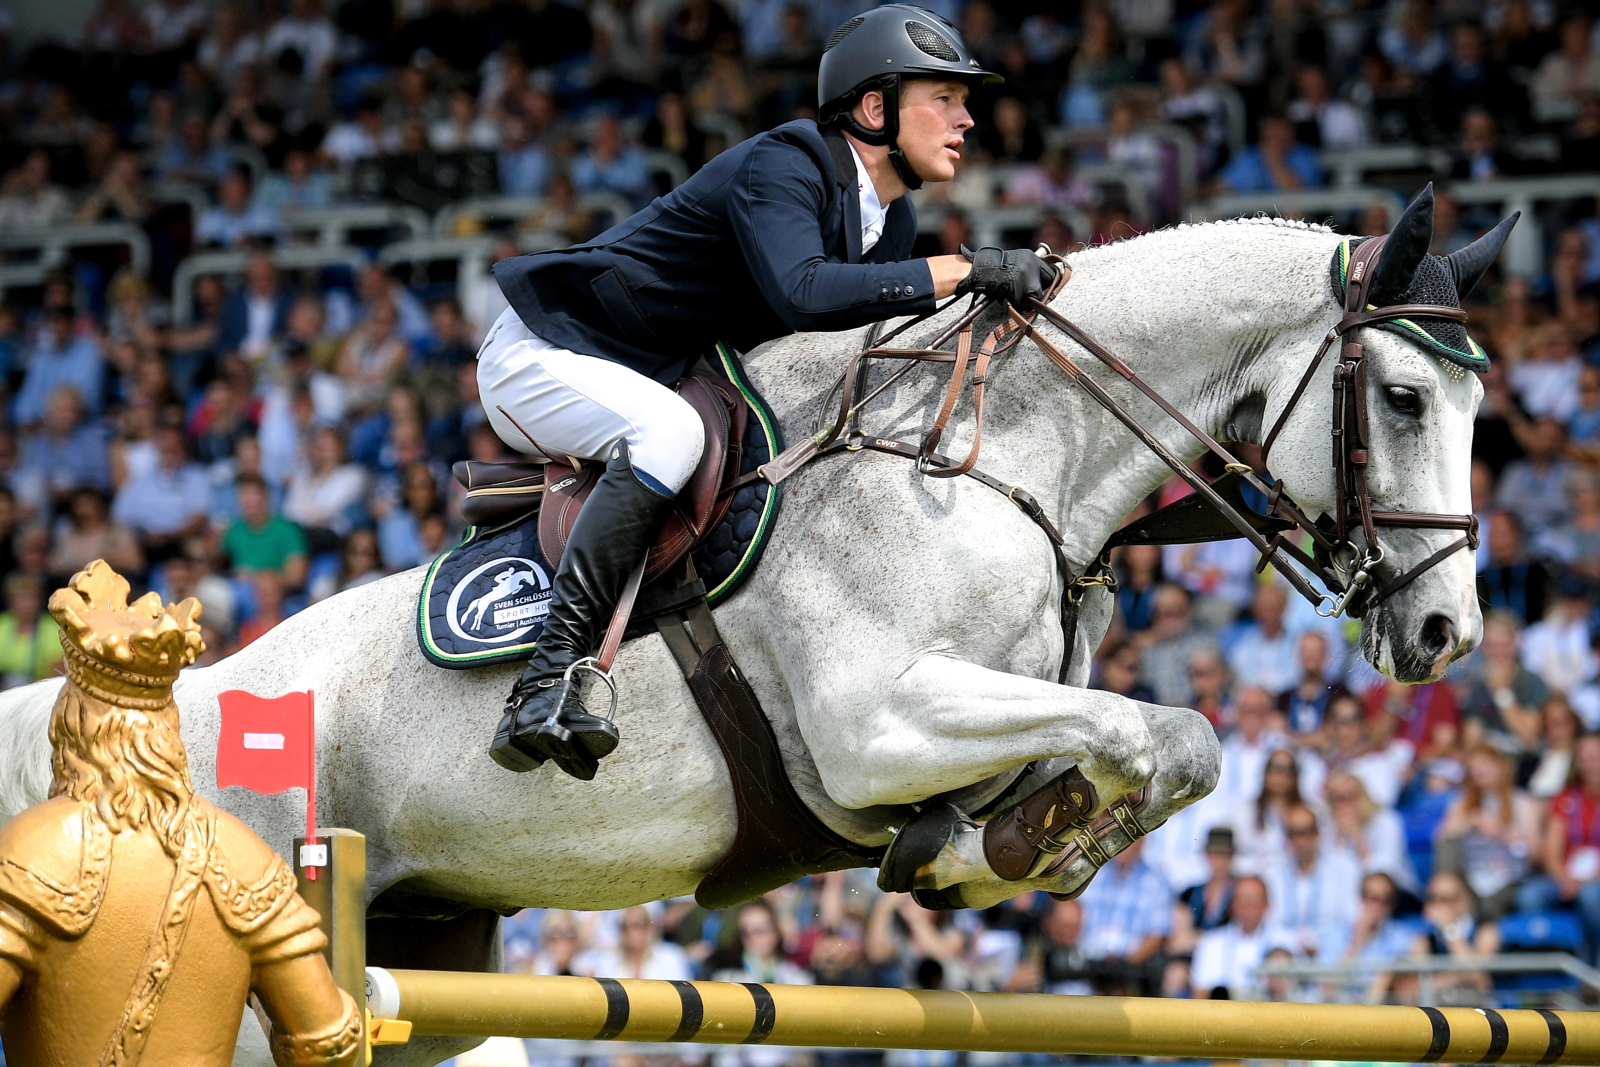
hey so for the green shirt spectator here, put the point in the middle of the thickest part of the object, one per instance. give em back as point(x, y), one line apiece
point(30, 643)
point(258, 540)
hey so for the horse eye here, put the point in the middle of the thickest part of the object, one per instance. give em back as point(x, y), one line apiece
point(1406, 401)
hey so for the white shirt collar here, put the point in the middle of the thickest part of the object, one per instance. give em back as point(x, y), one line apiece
point(872, 212)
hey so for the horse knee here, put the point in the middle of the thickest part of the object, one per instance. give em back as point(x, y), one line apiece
point(1123, 755)
point(1189, 756)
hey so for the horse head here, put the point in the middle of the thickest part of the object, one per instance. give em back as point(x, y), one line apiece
point(1421, 393)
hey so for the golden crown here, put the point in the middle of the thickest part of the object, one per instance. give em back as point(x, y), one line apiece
point(122, 653)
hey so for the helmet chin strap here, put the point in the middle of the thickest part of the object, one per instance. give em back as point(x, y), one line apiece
point(889, 135)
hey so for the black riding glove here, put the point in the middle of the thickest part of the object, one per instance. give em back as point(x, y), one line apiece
point(1013, 275)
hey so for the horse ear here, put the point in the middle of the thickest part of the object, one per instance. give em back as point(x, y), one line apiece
point(1469, 264)
point(1402, 252)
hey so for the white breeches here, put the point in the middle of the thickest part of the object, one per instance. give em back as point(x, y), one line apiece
point(547, 401)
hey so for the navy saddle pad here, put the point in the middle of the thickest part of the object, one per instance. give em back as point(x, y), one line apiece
point(485, 601)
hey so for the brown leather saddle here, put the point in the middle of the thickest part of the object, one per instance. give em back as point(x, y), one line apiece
point(500, 494)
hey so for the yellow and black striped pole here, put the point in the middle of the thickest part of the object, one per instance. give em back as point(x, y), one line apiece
point(514, 1005)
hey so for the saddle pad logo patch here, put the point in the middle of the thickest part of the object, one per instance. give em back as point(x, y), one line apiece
point(499, 601)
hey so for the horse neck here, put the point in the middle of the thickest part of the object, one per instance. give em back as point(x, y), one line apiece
point(1216, 343)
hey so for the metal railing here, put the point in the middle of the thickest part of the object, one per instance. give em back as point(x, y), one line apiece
point(1524, 252)
point(1349, 972)
point(1310, 204)
point(231, 264)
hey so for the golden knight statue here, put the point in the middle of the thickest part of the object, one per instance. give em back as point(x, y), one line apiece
point(136, 918)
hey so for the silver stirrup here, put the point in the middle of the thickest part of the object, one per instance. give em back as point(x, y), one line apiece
point(592, 665)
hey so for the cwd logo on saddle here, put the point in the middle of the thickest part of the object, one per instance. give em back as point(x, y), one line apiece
point(499, 601)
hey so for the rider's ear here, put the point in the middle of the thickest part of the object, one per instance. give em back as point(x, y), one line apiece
point(1469, 264)
point(1403, 251)
point(871, 110)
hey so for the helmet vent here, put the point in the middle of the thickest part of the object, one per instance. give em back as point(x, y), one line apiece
point(928, 40)
point(844, 31)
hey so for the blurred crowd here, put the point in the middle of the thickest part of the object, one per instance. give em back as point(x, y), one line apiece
point(275, 435)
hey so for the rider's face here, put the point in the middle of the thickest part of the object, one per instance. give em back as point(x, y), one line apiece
point(933, 124)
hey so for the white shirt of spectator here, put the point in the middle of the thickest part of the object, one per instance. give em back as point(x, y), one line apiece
point(1313, 911)
point(872, 212)
point(1557, 649)
point(1229, 957)
point(1385, 835)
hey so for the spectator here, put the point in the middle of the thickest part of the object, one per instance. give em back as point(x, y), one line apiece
point(1471, 79)
point(166, 505)
point(1275, 164)
point(58, 358)
point(761, 950)
point(1210, 683)
point(399, 526)
point(358, 565)
point(373, 355)
point(235, 220)
point(1226, 959)
point(1012, 136)
point(1567, 74)
point(1258, 827)
point(1574, 542)
point(1127, 914)
point(1205, 907)
point(1052, 182)
point(1174, 639)
point(1247, 748)
point(29, 200)
point(462, 129)
point(1261, 652)
point(672, 130)
point(1512, 582)
point(1558, 647)
point(1374, 837)
point(1321, 119)
point(267, 587)
point(1549, 770)
point(1119, 673)
point(640, 952)
point(230, 47)
point(323, 494)
point(308, 33)
point(1412, 43)
point(524, 165)
point(1196, 108)
point(1138, 577)
point(120, 196)
point(259, 540)
point(920, 947)
point(300, 186)
point(255, 315)
point(559, 945)
point(1452, 931)
point(610, 166)
point(1547, 381)
point(1315, 895)
point(87, 534)
point(1480, 157)
point(1583, 427)
point(1500, 698)
point(65, 453)
point(363, 137)
point(1305, 705)
point(1569, 848)
point(1063, 967)
point(1377, 934)
point(30, 641)
point(1489, 833)
point(1418, 721)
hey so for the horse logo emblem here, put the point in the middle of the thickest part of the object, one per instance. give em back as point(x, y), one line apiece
point(499, 601)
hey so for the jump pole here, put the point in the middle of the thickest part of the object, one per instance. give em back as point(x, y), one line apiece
point(453, 1003)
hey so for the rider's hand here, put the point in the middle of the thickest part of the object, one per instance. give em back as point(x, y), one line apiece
point(1013, 275)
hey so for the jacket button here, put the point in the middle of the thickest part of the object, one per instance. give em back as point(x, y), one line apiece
point(910, 291)
point(883, 294)
point(897, 290)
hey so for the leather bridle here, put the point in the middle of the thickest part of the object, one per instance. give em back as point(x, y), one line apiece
point(1335, 550)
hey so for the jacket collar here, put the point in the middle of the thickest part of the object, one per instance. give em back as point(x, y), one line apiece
point(844, 174)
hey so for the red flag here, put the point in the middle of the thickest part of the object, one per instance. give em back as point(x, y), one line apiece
point(270, 745)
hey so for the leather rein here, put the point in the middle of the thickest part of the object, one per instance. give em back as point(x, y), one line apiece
point(1332, 540)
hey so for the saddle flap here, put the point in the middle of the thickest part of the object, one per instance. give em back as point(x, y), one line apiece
point(701, 503)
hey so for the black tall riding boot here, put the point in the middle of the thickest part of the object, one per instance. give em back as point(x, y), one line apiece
point(545, 719)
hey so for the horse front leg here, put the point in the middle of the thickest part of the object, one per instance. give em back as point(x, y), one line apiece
point(1188, 759)
point(942, 724)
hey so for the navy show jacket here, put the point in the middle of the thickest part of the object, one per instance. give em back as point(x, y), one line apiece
point(763, 240)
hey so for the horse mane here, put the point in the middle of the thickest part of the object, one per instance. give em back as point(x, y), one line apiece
point(1186, 230)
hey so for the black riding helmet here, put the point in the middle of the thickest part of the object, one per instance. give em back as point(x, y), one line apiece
point(875, 50)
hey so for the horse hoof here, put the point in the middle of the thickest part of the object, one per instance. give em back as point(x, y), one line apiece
point(916, 845)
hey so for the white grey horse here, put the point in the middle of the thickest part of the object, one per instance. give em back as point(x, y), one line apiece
point(902, 632)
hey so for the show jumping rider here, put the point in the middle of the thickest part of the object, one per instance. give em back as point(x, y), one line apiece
point(806, 227)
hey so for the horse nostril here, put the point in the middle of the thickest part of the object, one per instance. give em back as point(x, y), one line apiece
point(1438, 635)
